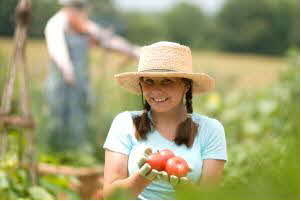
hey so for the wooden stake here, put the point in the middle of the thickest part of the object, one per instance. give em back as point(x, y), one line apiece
point(18, 64)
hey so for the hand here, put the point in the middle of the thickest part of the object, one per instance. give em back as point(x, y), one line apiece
point(145, 169)
point(69, 78)
point(172, 179)
point(133, 52)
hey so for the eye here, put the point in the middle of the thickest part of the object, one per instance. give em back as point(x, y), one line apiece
point(148, 81)
point(167, 81)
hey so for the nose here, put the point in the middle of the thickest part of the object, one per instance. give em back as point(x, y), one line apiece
point(157, 91)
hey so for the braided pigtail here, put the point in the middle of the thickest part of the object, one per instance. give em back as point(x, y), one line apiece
point(142, 123)
point(186, 130)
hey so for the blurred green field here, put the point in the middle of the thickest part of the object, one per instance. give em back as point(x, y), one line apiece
point(246, 71)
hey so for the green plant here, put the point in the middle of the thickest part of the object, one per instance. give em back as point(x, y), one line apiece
point(271, 28)
point(262, 129)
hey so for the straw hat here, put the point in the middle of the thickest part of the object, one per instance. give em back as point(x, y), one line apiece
point(165, 59)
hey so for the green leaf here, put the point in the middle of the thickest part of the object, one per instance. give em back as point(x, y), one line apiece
point(3, 181)
point(39, 193)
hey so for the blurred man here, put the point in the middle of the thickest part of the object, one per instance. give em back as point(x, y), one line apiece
point(68, 34)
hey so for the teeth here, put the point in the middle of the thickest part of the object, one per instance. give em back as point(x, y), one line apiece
point(160, 99)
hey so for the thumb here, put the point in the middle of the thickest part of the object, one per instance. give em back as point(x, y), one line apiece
point(141, 162)
point(148, 151)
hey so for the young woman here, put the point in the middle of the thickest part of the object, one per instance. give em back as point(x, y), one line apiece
point(166, 81)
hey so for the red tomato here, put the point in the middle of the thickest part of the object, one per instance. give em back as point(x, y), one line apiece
point(166, 154)
point(155, 161)
point(177, 166)
point(158, 160)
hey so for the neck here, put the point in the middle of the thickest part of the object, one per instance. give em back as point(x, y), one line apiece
point(175, 115)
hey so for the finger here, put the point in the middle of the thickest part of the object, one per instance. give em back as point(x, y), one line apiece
point(163, 176)
point(157, 178)
point(144, 170)
point(141, 162)
point(184, 180)
point(174, 180)
point(153, 174)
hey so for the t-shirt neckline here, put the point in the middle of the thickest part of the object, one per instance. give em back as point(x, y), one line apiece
point(149, 114)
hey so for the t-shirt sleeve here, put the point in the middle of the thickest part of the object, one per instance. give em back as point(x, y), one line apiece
point(215, 146)
point(119, 138)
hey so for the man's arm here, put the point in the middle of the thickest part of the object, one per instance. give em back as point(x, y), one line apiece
point(110, 41)
point(57, 47)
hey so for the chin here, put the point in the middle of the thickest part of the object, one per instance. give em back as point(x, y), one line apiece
point(160, 109)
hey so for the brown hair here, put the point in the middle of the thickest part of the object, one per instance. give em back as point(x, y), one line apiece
point(186, 130)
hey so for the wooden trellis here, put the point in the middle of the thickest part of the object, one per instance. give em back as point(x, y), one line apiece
point(18, 70)
point(91, 179)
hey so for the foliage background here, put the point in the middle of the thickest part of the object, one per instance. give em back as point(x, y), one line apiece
point(259, 26)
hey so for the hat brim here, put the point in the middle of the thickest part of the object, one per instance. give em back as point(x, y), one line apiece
point(130, 80)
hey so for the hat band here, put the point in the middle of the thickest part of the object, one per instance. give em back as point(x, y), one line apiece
point(158, 70)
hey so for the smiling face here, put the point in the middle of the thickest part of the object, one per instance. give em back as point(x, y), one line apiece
point(163, 94)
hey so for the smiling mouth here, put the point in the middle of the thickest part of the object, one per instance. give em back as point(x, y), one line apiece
point(159, 100)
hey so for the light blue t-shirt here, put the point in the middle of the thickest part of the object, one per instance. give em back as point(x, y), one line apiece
point(210, 143)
